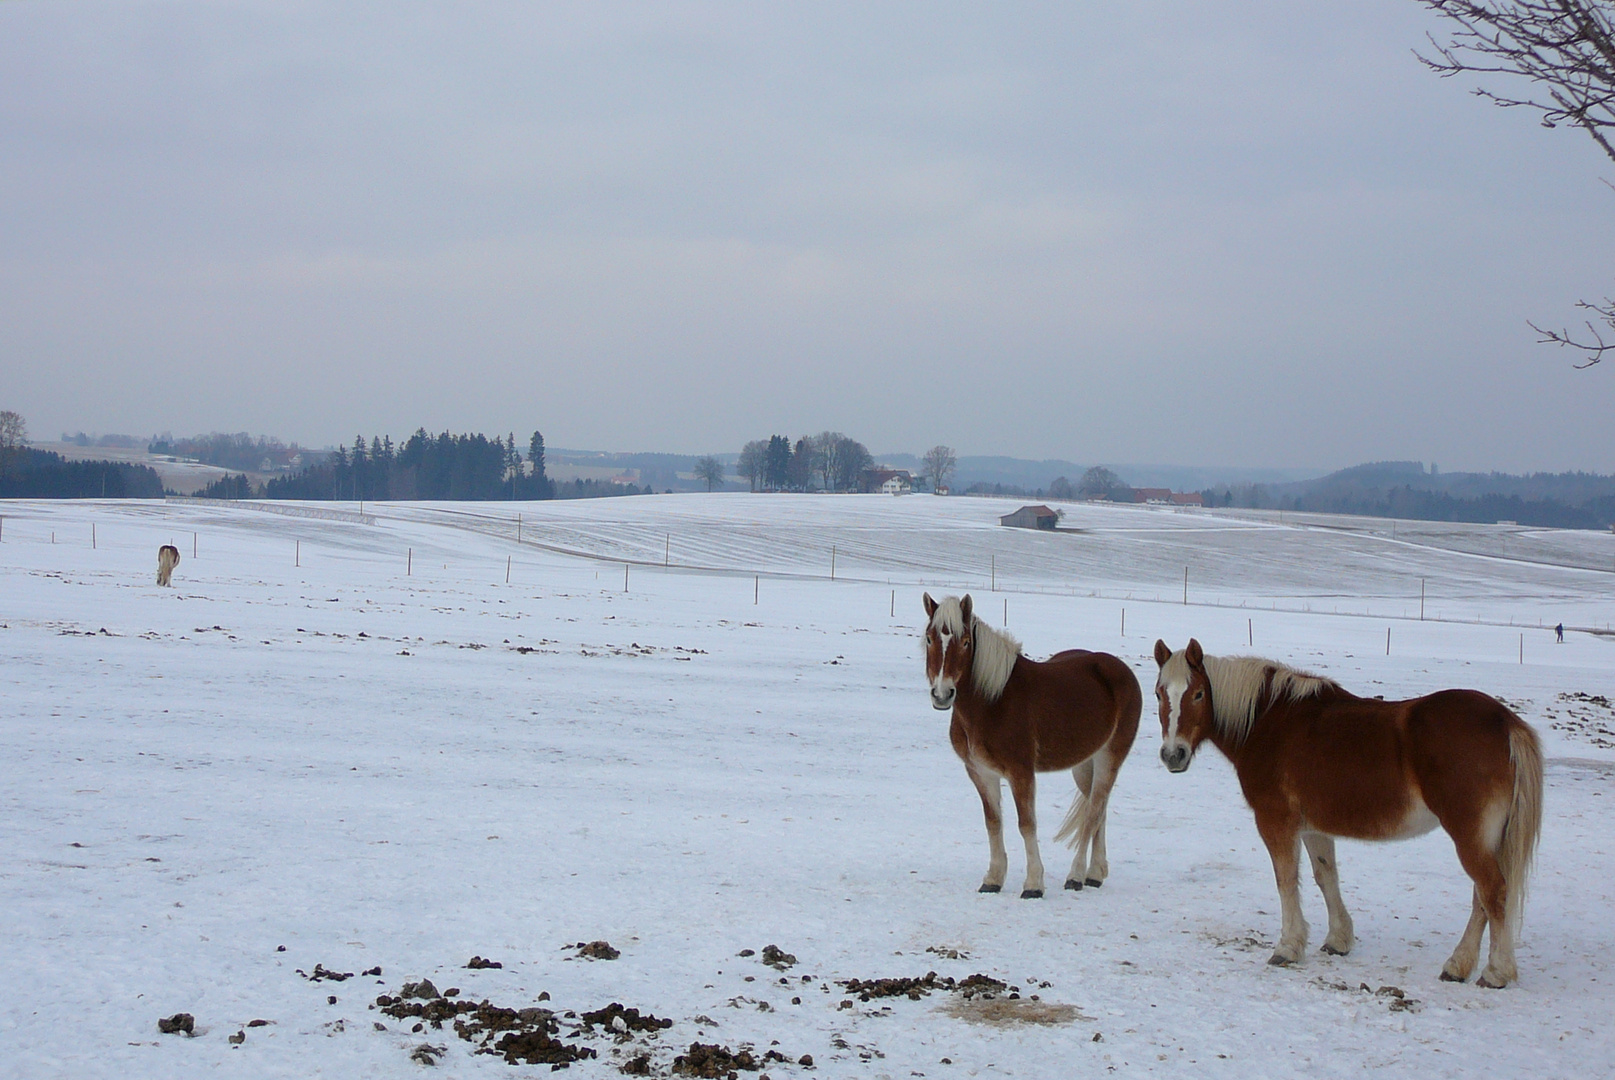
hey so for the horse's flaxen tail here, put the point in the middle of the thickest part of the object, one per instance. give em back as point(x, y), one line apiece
point(1071, 827)
point(1129, 708)
point(1524, 826)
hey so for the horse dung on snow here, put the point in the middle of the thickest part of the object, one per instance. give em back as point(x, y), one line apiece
point(1316, 762)
point(167, 559)
point(1014, 718)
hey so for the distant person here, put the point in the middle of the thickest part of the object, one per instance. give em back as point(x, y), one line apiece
point(1560, 630)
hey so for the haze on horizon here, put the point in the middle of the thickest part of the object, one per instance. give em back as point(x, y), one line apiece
point(1146, 233)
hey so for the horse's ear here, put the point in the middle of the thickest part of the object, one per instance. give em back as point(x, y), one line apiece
point(1194, 655)
point(1163, 653)
point(964, 609)
point(930, 605)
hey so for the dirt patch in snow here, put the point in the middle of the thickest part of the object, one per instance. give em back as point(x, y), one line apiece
point(1588, 717)
point(1008, 1012)
point(521, 1036)
point(914, 988)
point(714, 1062)
point(596, 950)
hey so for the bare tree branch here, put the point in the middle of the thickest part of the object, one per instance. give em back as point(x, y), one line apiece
point(1596, 346)
point(1567, 49)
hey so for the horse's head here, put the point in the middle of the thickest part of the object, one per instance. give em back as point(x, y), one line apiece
point(949, 641)
point(1183, 693)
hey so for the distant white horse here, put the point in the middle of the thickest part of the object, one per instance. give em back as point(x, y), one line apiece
point(167, 559)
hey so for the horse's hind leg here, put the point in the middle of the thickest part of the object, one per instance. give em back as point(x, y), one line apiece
point(1326, 872)
point(1083, 775)
point(989, 787)
point(1479, 860)
point(1101, 777)
point(1462, 960)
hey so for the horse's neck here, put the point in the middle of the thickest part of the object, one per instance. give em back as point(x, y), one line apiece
point(1232, 737)
point(993, 663)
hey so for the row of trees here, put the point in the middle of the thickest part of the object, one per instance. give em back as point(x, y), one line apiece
point(239, 451)
point(458, 467)
point(828, 461)
point(1413, 504)
point(26, 473)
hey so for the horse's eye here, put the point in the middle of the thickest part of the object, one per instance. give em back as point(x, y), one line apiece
point(1198, 694)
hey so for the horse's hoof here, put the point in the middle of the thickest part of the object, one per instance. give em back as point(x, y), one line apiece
point(1093, 883)
point(1332, 951)
point(1279, 960)
point(1073, 884)
point(1488, 984)
point(1447, 976)
point(1031, 894)
point(990, 888)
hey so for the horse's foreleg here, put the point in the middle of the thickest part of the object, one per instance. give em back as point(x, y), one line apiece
point(1326, 872)
point(1024, 788)
point(991, 792)
point(1284, 847)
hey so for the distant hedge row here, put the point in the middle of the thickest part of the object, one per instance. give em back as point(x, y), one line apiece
point(40, 474)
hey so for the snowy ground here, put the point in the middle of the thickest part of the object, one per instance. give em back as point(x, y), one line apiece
point(374, 768)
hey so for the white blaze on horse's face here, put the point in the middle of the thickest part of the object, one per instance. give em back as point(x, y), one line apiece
point(1183, 695)
point(1175, 751)
point(943, 688)
point(947, 648)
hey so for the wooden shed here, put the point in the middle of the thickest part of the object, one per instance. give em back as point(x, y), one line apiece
point(1031, 517)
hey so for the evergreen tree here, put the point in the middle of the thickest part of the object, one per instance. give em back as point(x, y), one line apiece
point(777, 471)
point(535, 454)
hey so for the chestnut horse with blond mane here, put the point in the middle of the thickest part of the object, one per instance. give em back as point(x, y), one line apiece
point(1014, 718)
point(1317, 762)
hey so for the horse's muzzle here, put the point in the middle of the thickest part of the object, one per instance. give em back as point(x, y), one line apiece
point(942, 702)
point(1176, 758)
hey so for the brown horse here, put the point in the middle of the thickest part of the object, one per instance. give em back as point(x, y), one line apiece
point(1317, 762)
point(1015, 718)
point(167, 559)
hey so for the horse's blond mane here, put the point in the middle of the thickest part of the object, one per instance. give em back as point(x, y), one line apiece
point(1240, 684)
point(996, 650)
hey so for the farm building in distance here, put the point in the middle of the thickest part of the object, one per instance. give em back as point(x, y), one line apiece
point(1031, 517)
point(1166, 496)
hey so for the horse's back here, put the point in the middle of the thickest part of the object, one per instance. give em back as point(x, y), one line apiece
point(1079, 701)
point(1366, 768)
point(1459, 747)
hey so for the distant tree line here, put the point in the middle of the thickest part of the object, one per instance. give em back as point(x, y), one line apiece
point(241, 452)
point(26, 473)
point(1415, 504)
point(1097, 483)
point(426, 466)
point(447, 467)
point(229, 486)
point(828, 461)
point(1403, 489)
point(118, 442)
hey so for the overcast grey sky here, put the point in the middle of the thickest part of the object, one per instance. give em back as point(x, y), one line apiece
point(1192, 232)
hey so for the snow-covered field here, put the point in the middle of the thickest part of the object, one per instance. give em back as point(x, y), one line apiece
point(389, 756)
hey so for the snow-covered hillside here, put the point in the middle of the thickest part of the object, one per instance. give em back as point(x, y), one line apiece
point(347, 734)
